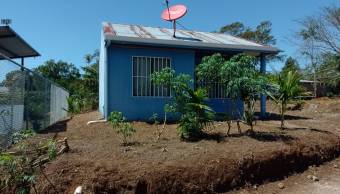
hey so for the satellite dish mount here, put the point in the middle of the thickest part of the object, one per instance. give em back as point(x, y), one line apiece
point(173, 13)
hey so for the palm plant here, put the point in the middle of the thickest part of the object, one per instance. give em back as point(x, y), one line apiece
point(287, 88)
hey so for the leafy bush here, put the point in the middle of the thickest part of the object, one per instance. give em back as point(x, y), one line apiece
point(124, 128)
point(52, 149)
point(18, 170)
point(17, 174)
point(116, 119)
point(194, 113)
point(75, 104)
point(23, 134)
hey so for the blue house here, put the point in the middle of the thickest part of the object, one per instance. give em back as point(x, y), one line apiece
point(129, 54)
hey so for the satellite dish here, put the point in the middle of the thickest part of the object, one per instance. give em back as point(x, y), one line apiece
point(173, 13)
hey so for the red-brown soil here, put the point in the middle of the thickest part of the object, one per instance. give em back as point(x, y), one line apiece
point(98, 162)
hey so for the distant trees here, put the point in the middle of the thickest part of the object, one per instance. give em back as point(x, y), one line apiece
point(319, 40)
point(83, 88)
point(90, 81)
point(291, 64)
point(65, 74)
point(261, 34)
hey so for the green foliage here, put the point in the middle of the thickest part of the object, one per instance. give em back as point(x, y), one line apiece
point(75, 104)
point(290, 65)
point(210, 68)
point(154, 118)
point(243, 81)
point(83, 88)
point(116, 119)
point(17, 174)
point(194, 113)
point(52, 149)
point(21, 135)
point(261, 34)
point(63, 73)
point(123, 128)
point(287, 89)
point(329, 71)
point(18, 170)
point(239, 76)
point(90, 80)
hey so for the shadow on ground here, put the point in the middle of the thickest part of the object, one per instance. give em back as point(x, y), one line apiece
point(60, 126)
point(277, 117)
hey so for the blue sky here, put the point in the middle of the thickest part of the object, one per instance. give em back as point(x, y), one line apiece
point(69, 29)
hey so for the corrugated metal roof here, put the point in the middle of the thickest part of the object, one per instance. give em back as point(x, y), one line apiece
point(13, 46)
point(136, 34)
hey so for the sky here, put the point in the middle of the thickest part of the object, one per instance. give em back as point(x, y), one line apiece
point(68, 29)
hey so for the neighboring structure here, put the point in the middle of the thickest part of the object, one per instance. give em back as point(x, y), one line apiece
point(129, 54)
point(309, 86)
point(27, 99)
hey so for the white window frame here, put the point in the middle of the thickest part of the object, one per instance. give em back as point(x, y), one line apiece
point(153, 87)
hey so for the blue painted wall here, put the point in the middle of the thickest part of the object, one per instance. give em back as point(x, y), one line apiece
point(119, 82)
point(120, 79)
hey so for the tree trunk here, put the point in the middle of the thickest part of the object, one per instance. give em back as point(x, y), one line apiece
point(238, 126)
point(229, 126)
point(282, 115)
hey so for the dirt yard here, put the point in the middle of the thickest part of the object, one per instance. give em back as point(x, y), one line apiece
point(98, 162)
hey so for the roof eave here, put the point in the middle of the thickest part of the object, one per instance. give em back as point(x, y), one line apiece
point(15, 35)
point(190, 45)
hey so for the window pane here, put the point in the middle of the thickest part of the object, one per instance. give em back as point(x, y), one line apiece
point(134, 68)
point(142, 68)
point(134, 86)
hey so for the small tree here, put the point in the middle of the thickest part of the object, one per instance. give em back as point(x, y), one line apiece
point(240, 78)
point(168, 108)
point(194, 113)
point(124, 128)
point(287, 88)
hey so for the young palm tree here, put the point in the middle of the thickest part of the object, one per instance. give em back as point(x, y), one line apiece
point(287, 88)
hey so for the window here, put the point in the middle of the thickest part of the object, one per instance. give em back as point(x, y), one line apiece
point(142, 68)
point(214, 89)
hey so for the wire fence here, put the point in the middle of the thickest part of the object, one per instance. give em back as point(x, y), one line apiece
point(27, 101)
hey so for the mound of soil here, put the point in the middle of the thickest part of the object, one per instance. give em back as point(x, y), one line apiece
point(98, 162)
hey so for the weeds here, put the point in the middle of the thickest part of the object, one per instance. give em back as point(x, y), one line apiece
point(19, 169)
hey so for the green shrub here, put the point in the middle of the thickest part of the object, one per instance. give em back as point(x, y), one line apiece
point(52, 149)
point(75, 104)
point(21, 135)
point(195, 115)
point(17, 174)
point(18, 170)
point(124, 128)
point(116, 119)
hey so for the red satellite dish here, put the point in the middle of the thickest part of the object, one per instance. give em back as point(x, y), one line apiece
point(174, 12)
